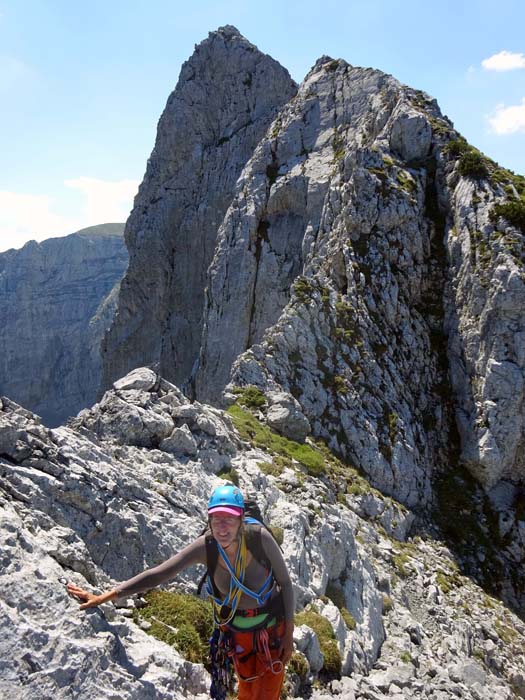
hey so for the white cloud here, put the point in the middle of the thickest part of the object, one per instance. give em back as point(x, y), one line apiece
point(25, 217)
point(105, 200)
point(508, 120)
point(503, 61)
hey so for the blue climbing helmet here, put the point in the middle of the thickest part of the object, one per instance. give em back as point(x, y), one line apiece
point(227, 499)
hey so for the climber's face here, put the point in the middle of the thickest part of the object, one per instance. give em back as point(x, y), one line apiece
point(225, 528)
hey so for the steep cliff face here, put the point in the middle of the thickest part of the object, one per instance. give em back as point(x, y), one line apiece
point(485, 318)
point(227, 95)
point(54, 309)
point(354, 339)
point(363, 189)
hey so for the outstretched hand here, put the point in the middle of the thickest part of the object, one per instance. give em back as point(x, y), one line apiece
point(90, 599)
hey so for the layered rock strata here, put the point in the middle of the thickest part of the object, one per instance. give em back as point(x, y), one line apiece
point(56, 300)
point(227, 94)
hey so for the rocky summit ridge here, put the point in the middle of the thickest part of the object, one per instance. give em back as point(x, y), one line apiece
point(125, 484)
point(335, 264)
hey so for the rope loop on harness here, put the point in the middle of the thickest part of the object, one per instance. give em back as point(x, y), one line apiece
point(264, 592)
point(221, 666)
point(224, 610)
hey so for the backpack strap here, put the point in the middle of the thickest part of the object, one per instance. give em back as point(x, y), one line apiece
point(212, 555)
point(253, 542)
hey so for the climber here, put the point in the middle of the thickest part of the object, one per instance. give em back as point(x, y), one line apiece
point(250, 591)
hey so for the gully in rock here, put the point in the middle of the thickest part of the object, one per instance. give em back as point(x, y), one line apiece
point(250, 590)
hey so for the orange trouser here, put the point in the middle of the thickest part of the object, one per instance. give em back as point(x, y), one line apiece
point(257, 680)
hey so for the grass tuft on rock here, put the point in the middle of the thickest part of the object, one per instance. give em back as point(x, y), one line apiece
point(449, 581)
point(262, 436)
point(513, 212)
point(229, 474)
point(179, 619)
point(472, 164)
point(250, 396)
point(270, 468)
point(299, 665)
point(326, 636)
point(388, 603)
point(335, 594)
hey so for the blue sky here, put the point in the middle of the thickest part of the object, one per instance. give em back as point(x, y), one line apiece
point(82, 85)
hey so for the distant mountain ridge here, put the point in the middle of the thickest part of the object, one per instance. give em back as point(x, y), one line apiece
point(53, 315)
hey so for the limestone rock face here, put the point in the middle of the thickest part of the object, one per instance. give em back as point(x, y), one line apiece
point(88, 503)
point(284, 415)
point(324, 267)
point(56, 300)
point(395, 313)
point(227, 95)
point(485, 318)
point(348, 258)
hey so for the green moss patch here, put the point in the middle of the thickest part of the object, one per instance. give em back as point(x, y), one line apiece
point(229, 474)
point(338, 145)
point(402, 562)
point(348, 618)
point(472, 164)
point(505, 632)
point(406, 182)
point(388, 603)
point(325, 634)
point(336, 596)
point(449, 581)
point(250, 396)
point(513, 212)
point(304, 289)
point(184, 621)
point(457, 147)
point(262, 436)
point(278, 533)
point(299, 665)
point(270, 468)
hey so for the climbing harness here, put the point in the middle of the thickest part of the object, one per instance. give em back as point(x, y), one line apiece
point(224, 610)
point(253, 649)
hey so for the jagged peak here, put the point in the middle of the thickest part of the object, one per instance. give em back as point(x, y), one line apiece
point(228, 35)
point(322, 60)
point(333, 64)
point(224, 39)
point(228, 32)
